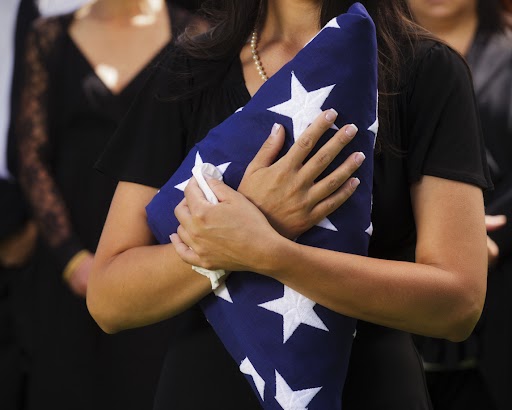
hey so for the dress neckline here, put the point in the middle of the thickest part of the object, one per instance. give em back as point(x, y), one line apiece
point(68, 19)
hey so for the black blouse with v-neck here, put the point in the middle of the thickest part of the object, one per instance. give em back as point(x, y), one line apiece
point(434, 129)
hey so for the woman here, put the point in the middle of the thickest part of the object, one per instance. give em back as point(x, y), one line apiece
point(83, 72)
point(477, 373)
point(422, 180)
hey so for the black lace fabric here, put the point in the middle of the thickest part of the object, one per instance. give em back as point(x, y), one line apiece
point(32, 126)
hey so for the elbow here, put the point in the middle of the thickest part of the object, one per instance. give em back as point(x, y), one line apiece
point(101, 305)
point(466, 312)
point(102, 315)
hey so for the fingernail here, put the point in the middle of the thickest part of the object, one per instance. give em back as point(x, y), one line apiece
point(275, 129)
point(360, 157)
point(331, 115)
point(351, 130)
point(354, 183)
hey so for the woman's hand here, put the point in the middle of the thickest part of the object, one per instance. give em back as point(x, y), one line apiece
point(286, 191)
point(232, 235)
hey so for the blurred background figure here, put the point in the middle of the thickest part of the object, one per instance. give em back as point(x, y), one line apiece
point(82, 71)
point(477, 374)
point(507, 5)
point(17, 234)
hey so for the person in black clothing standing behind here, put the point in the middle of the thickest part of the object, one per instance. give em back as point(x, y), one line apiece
point(477, 374)
point(83, 71)
point(17, 233)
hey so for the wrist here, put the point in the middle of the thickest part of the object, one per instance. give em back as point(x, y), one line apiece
point(279, 252)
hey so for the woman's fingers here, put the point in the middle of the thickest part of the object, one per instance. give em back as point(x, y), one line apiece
point(268, 151)
point(307, 141)
point(328, 205)
point(325, 155)
point(182, 212)
point(332, 182)
point(186, 253)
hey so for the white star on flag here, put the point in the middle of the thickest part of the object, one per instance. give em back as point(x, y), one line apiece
point(247, 368)
point(375, 126)
point(293, 400)
point(223, 292)
point(331, 24)
point(369, 231)
point(199, 161)
point(296, 309)
point(303, 108)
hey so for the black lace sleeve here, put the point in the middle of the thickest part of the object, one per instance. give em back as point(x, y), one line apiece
point(35, 174)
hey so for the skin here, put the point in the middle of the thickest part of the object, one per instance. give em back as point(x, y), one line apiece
point(441, 295)
point(453, 21)
point(16, 250)
point(456, 23)
point(103, 29)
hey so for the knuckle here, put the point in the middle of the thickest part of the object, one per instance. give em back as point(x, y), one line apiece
point(331, 205)
point(334, 183)
point(325, 158)
point(306, 141)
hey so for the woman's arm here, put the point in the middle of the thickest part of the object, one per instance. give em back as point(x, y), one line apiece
point(441, 295)
point(133, 281)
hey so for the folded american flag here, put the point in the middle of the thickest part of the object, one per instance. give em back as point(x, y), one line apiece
point(294, 352)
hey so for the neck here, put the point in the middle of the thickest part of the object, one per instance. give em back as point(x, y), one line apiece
point(291, 21)
point(120, 9)
point(458, 31)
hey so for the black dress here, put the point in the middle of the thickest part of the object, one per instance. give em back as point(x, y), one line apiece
point(65, 119)
point(432, 128)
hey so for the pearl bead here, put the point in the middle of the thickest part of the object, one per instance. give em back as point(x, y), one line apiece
point(256, 57)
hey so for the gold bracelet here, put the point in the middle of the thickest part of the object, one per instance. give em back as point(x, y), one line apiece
point(73, 264)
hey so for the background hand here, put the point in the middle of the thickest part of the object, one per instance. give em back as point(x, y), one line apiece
point(77, 282)
point(493, 223)
point(286, 191)
point(16, 250)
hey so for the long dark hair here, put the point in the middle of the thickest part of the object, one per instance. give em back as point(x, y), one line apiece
point(232, 22)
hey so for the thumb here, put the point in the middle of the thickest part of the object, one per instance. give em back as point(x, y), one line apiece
point(268, 151)
point(222, 191)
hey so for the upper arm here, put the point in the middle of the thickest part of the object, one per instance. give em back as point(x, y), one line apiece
point(126, 225)
point(451, 235)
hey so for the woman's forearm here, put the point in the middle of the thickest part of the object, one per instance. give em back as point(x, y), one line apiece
point(142, 285)
point(441, 295)
point(134, 282)
point(414, 297)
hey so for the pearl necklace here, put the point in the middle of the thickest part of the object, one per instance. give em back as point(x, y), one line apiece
point(256, 57)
